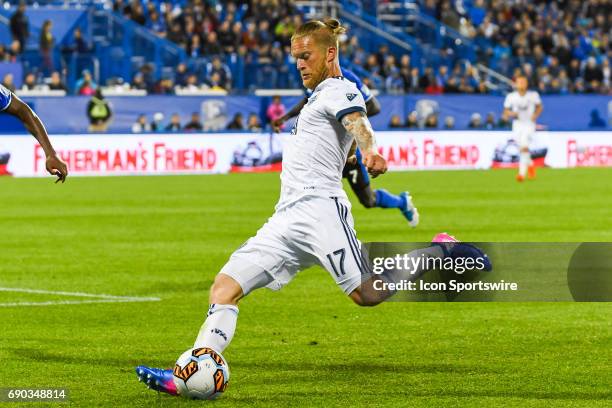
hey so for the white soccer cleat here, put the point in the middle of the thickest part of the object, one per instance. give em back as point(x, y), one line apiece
point(410, 211)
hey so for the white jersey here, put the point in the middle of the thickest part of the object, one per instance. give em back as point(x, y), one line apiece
point(315, 153)
point(525, 106)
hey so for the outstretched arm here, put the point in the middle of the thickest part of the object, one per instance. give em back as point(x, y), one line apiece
point(34, 125)
point(358, 126)
point(276, 124)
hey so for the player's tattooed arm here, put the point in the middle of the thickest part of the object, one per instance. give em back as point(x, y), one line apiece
point(358, 126)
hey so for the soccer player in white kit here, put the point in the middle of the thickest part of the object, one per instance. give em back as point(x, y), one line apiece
point(523, 107)
point(312, 222)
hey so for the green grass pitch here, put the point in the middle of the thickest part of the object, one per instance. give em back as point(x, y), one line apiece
point(306, 345)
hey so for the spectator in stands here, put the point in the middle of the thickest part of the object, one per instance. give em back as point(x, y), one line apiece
point(405, 68)
point(275, 110)
point(192, 83)
point(236, 123)
point(141, 125)
point(194, 49)
point(156, 24)
point(99, 112)
point(137, 13)
point(55, 82)
point(449, 123)
point(253, 123)
point(78, 45)
point(217, 67)
point(138, 82)
point(164, 86)
point(396, 122)
point(490, 121)
point(29, 82)
point(14, 51)
point(46, 44)
point(157, 123)
point(452, 86)
point(195, 124)
point(442, 77)
point(180, 75)
point(264, 36)
point(394, 83)
point(211, 45)
point(412, 121)
point(175, 123)
point(215, 83)
point(412, 86)
point(431, 122)
point(593, 75)
point(20, 25)
point(85, 85)
point(475, 121)
point(449, 16)
point(249, 37)
point(226, 37)
point(8, 83)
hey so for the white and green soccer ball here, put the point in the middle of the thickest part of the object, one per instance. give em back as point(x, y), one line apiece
point(201, 373)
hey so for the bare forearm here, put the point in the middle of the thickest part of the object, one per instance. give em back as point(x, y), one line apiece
point(32, 123)
point(35, 126)
point(358, 126)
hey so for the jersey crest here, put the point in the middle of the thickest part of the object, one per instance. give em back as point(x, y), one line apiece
point(350, 96)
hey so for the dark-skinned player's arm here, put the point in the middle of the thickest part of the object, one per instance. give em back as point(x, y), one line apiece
point(34, 125)
point(372, 107)
point(277, 123)
point(358, 126)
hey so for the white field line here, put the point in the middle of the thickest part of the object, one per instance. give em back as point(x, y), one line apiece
point(97, 298)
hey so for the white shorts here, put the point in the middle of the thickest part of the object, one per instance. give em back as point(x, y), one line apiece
point(312, 231)
point(524, 134)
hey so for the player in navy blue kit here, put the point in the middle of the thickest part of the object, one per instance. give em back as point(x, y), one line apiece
point(12, 105)
point(354, 170)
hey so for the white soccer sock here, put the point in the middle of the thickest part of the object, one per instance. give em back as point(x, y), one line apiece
point(218, 329)
point(524, 162)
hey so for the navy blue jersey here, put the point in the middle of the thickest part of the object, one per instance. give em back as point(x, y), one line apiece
point(350, 75)
point(5, 98)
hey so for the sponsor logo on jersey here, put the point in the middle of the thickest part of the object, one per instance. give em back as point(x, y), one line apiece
point(350, 96)
point(220, 333)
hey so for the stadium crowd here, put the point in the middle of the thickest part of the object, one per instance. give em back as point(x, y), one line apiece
point(563, 46)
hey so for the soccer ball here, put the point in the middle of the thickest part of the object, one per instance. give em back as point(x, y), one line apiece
point(201, 373)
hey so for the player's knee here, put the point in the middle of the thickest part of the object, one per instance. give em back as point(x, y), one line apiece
point(225, 290)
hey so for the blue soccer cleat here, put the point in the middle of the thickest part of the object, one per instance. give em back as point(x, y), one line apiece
point(157, 379)
point(454, 248)
point(409, 210)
